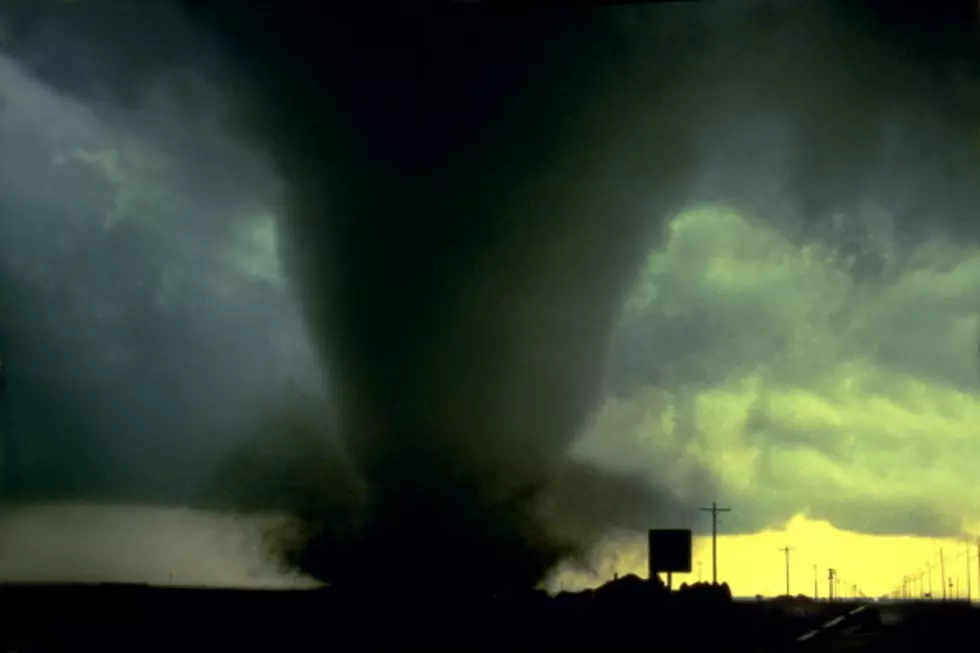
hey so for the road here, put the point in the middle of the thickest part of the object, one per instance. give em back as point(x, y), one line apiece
point(893, 626)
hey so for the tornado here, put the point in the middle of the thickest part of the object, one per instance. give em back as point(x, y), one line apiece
point(467, 204)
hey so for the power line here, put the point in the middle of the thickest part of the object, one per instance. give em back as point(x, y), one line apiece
point(714, 510)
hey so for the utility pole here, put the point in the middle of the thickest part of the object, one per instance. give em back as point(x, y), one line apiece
point(786, 550)
point(831, 573)
point(942, 572)
point(700, 575)
point(929, 573)
point(714, 510)
point(968, 597)
point(816, 587)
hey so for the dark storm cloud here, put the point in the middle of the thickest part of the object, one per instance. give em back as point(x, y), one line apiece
point(470, 192)
point(139, 69)
point(132, 338)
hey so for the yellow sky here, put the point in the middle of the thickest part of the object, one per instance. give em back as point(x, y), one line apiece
point(808, 393)
point(755, 564)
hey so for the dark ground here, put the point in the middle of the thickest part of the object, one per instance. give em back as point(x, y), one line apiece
point(627, 614)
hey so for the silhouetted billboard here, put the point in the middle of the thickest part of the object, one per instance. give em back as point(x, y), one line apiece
point(669, 550)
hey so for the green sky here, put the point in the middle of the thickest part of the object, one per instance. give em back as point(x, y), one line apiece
point(799, 389)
